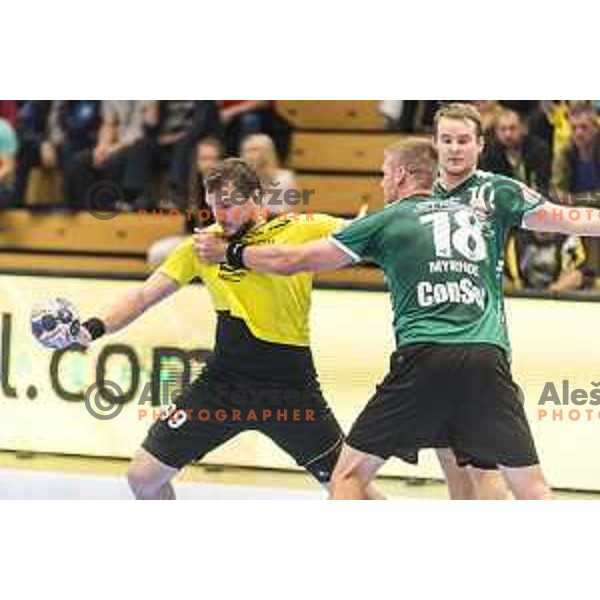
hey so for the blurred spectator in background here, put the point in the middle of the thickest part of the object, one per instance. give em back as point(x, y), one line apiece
point(122, 126)
point(163, 150)
point(209, 152)
point(515, 153)
point(577, 167)
point(8, 152)
point(241, 118)
point(392, 112)
point(523, 107)
point(173, 128)
point(259, 152)
point(550, 122)
point(78, 123)
point(489, 110)
point(52, 136)
point(576, 170)
point(37, 129)
point(8, 111)
point(162, 159)
point(546, 261)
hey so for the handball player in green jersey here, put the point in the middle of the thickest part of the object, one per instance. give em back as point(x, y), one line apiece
point(449, 384)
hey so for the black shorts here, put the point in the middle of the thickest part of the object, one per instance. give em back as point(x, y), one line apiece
point(447, 396)
point(208, 413)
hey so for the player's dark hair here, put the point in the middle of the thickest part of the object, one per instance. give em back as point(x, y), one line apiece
point(233, 171)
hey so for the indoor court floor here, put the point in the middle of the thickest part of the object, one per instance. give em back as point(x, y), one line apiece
point(55, 477)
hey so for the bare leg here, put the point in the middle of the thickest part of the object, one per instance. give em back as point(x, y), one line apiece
point(489, 484)
point(469, 483)
point(373, 493)
point(149, 479)
point(461, 486)
point(353, 475)
point(527, 483)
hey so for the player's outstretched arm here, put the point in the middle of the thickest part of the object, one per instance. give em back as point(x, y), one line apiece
point(281, 259)
point(569, 220)
point(133, 303)
point(129, 306)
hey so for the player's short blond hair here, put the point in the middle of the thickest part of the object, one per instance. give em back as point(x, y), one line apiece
point(459, 111)
point(417, 156)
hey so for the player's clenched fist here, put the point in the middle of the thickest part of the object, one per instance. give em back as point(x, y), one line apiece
point(210, 247)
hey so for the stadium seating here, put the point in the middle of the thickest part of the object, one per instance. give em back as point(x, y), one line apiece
point(125, 234)
point(80, 242)
point(341, 194)
point(339, 152)
point(336, 151)
point(39, 262)
point(44, 187)
point(354, 115)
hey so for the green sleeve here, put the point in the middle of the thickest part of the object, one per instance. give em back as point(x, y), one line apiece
point(511, 200)
point(361, 239)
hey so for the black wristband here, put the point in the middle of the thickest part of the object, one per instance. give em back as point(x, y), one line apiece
point(95, 327)
point(235, 255)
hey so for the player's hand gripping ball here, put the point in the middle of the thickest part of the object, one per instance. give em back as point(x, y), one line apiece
point(55, 324)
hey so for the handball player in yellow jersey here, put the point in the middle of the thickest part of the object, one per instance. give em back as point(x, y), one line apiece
point(261, 374)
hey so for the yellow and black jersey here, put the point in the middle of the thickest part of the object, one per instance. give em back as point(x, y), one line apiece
point(263, 324)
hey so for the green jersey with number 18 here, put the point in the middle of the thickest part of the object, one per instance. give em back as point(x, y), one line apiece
point(442, 256)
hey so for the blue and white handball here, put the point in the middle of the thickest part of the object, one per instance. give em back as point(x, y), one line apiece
point(55, 323)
